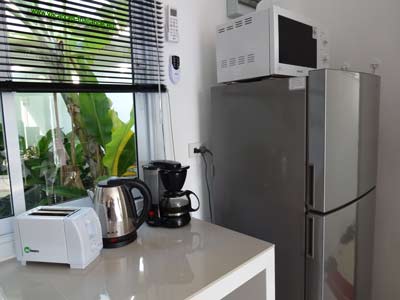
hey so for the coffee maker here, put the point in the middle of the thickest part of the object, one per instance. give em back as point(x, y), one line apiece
point(171, 206)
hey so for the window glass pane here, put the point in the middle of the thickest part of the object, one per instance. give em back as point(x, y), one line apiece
point(69, 141)
point(5, 191)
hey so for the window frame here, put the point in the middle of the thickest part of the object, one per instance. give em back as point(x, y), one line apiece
point(15, 174)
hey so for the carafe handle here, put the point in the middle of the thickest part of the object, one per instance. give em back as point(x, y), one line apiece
point(188, 194)
point(145, 191)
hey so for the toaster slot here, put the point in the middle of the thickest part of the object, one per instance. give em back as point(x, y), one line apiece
point(58, 209)
point(56, 212)
point(50, 214)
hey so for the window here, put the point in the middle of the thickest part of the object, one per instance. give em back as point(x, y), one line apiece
point(69, 141)
point(76, 79)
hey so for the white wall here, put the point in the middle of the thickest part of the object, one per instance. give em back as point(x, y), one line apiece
point(360, 32)
point(190, 99)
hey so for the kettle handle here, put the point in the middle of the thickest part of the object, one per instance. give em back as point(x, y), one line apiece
point(145, 191)
point(188, 194)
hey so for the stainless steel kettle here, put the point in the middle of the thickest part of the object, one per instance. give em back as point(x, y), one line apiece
point(115, 201)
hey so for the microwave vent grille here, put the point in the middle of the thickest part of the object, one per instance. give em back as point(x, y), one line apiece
point(238, 23)
point(251, 58)
point(232, 62)
point(224, 64)
point(248, 21)
point(229, 28)
point(221, 30)
point(241, 60)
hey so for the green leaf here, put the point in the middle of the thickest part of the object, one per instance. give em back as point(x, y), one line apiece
point(128, 156)
point(44, 144)
point(94, 113)
point(122, 145)
point(117, 123)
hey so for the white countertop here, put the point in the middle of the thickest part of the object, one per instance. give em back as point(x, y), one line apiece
point(167, 264)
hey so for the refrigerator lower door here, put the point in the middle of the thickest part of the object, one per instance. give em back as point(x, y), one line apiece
point(259, 146)
point(339, 252)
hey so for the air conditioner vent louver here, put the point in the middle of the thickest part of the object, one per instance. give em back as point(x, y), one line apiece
point(232, 62)
point(224, 64)
point(229, 28)
point(238, 24)
point(251, 58)
point(248, 21)
point(241, 60)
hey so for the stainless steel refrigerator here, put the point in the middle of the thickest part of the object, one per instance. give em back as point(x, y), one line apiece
point(295, 164)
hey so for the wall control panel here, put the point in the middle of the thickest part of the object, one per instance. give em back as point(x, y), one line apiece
point(174, 68)
point(172, 34)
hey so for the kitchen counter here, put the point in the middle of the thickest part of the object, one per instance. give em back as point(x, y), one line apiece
point(201, 261)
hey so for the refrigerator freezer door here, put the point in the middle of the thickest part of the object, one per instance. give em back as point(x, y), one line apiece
point(369, 128)
point(258, 140)
point(340, 252)
point(342, 137)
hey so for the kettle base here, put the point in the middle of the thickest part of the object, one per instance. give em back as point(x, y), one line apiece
point(121, 241)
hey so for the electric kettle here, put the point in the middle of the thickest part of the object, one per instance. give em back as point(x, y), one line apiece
point(115, 202)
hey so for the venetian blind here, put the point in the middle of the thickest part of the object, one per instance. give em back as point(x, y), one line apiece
point(90, 43)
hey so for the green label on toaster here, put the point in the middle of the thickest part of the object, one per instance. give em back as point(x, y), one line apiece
point(29, 250)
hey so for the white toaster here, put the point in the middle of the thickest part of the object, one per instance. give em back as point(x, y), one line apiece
point(58, 235)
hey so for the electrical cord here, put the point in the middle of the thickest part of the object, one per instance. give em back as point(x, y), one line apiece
point(203, 151)
point(170, 125)
point(208, 185)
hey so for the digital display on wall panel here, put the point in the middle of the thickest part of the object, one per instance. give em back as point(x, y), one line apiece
point(297, 46)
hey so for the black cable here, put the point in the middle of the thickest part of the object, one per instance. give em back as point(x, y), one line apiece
point(207, 184)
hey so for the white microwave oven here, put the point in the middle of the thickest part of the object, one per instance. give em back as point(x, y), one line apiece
point(270, 42)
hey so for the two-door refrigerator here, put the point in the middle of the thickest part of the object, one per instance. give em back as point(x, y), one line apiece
point(295, 164)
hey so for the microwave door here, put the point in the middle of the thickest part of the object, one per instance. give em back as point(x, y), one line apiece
point(295, 43)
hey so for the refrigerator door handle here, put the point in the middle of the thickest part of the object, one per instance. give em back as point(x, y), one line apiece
point(311, 186)
point(310, 224)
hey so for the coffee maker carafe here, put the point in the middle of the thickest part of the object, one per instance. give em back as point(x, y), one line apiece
point(171, 206)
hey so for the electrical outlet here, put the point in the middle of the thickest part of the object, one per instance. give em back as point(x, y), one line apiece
point(191, 148)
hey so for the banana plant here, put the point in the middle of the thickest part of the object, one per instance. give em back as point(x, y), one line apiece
point(120, 151)
point(99, 140)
